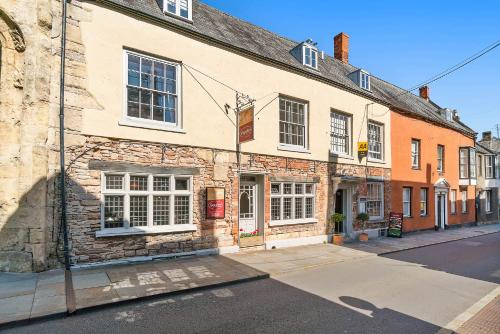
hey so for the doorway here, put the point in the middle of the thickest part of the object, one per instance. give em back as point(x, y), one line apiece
point(250, 211)
point(339, 208)
point(441, 210)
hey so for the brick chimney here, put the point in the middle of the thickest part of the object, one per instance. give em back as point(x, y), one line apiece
point(341, 47)
point(424, 92)
point(487, 136)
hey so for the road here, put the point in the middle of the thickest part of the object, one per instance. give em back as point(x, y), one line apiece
point(416, 291)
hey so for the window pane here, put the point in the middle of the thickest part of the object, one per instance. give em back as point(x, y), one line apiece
point(161, 209)
point(287, 208)
point(309, 207)
point(138, 183)
point(114, 182)
point(146, 73)
point(181, 184)
point(275, 208)
point(113, 211)
point(181, 212)
point(171, 6)
point(299, 207)
point(161, 183)
point(184, 8)
point(287, 189)
point(309, 188)
point(299, 188)
point(138, 210)
point(145, 111)
point(275, 188)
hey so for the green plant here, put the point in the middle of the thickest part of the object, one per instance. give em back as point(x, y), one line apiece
point(336, 219)
point(363, 218)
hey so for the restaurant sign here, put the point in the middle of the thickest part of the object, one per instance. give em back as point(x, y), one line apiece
point(246, 125)
point(216, 203)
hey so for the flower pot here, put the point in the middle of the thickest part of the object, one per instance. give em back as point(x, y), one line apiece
point(252, 241)
point(363, 237)
point(338, 239)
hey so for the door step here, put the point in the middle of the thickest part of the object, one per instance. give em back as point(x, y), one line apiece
point(253, 248)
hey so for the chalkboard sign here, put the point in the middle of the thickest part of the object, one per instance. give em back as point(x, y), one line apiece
point(395, 227)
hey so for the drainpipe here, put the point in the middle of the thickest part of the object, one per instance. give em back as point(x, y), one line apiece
point(64, 224)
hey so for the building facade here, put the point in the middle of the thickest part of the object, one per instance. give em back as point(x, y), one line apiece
point(488, 179)
point(153, 164)
point(433, 181)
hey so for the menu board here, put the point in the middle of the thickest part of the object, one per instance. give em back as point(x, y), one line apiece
point(215, 203)
point(395, 226)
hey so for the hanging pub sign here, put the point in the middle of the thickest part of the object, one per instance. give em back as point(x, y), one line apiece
point(216, 203)
point(246, 125)
point(362, 149)
point(395, 226)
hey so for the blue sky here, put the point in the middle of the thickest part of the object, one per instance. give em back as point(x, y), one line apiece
point(403, 42)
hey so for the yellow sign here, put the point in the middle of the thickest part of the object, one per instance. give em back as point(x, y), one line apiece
point(362, 146)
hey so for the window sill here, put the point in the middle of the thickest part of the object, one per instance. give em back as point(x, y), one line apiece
point(416, 168)
point(293, 149)
point(117, 232)
point(376, 161)
point(376, 219)
point(144, 124)
point(341, 156)
point(292, 222)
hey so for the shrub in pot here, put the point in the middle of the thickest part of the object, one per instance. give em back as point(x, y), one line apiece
point(336, 219)
point(363, 218)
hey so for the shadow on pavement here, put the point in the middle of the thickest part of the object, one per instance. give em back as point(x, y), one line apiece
point(265, 306)
point(476, 257)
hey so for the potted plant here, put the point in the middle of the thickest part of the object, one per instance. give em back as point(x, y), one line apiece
point(363, 218)
point(336, 219)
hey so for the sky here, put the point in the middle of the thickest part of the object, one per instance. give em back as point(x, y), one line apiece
point(403, 42)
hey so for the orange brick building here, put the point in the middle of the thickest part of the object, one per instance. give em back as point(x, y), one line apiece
point(434, 167)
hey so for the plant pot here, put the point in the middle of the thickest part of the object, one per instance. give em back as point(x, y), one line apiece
point(338, 239)
point(252, 241)
point(363, 237)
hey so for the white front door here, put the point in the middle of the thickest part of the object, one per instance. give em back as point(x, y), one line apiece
point(248, 207)
point(441, 209)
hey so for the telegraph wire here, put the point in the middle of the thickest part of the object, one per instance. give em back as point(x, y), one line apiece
point(212, 78)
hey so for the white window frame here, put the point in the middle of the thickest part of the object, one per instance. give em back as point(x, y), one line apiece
point(407, 192)
point(415, 153)
point(369, 199)
point(150, 193)
point(293, 196)
point(178, 8)
point(488, 200)
point(364, 80)
point(489, 163)
point(440, 158)
point(376, 155)
point(424, 195)
point(292, 147)
point(127, 120)
point(314, 55)
point(463, 196)
point(347, 119)
point(453, 202)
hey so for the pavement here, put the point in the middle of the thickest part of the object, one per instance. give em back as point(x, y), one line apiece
point(25, 297)
point(366, 294)
point(385, 245)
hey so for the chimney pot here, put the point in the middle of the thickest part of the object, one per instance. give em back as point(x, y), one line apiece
point(341, 47)
point(487, 136)
point(424, 92)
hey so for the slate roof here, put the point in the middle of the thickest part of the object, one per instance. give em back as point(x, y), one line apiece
point(481, 148)
point(216, 25)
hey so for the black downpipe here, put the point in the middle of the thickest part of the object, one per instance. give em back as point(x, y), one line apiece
point(64, 224)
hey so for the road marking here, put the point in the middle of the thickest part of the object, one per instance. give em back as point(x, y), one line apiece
point(456, 323)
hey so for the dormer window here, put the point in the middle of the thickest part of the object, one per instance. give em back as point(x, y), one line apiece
point(310, 56)
point(181, 8)
point(361, 78)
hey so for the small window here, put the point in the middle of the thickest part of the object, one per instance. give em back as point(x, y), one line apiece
point(440, 158)
point(293, 120)
point(415, 153)
point(464, 201)
point(182, 8)
point(453, 202)
point(375, 200)
point(364, 80)
point(472, 163)
point(407, 202)
point(310, 56)
point(340, 130)
point(423, 202)
point(487, 198)
point(375, 141)
point(490, 166)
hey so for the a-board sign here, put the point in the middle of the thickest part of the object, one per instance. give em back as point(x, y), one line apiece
point(395, 226)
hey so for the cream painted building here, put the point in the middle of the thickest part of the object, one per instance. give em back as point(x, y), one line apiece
point(152, 166)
